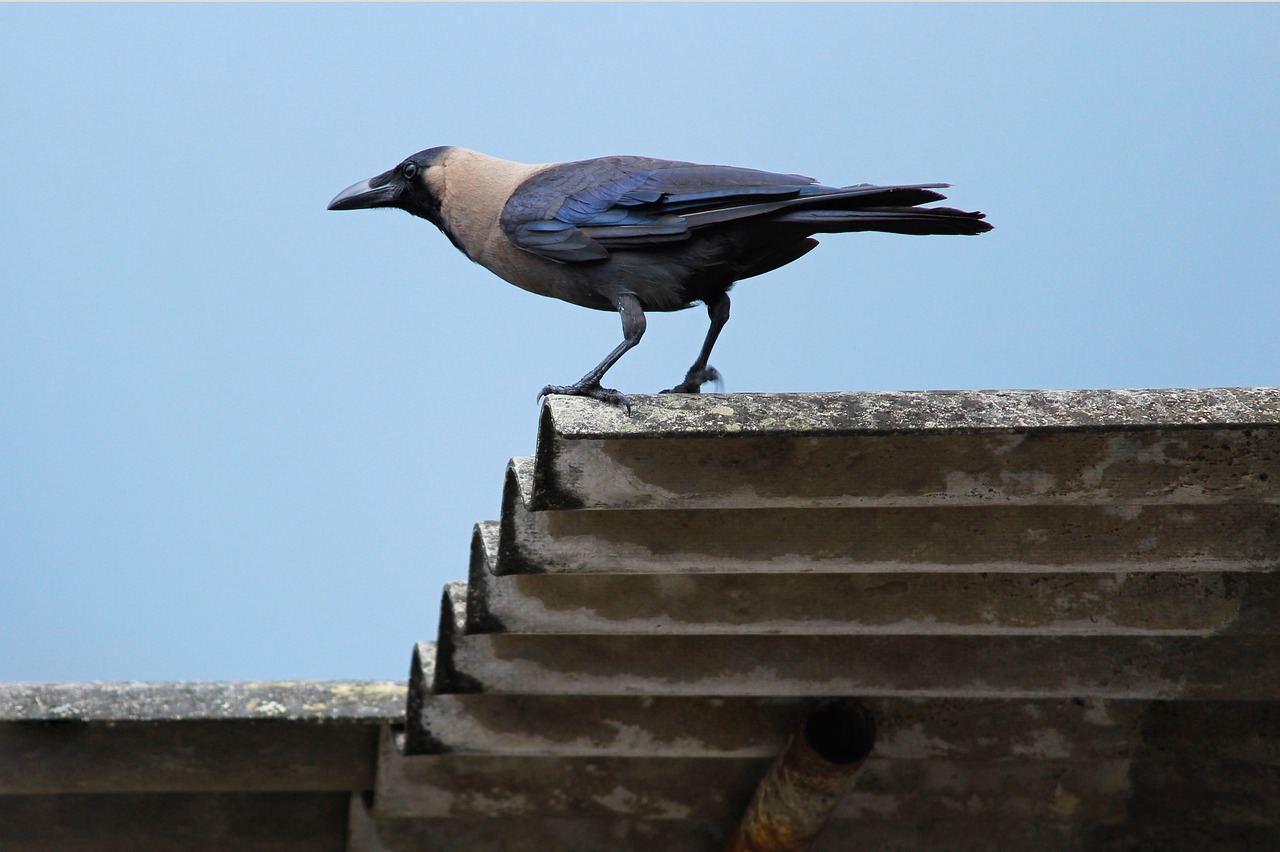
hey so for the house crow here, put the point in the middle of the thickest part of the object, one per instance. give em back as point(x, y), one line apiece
point(637, 234)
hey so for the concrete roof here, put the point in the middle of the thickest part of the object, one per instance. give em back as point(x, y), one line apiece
point(1060, 607)
point(187, 766)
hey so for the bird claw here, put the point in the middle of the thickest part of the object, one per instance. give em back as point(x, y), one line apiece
point(594, 391)
point(695, 379)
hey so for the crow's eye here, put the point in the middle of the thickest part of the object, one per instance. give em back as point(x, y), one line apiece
point(409, 169)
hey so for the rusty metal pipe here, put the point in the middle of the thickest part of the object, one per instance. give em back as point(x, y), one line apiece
point(814, 772)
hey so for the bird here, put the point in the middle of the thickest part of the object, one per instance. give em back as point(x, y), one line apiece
point(632, 234)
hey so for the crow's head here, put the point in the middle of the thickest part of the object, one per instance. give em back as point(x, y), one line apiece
point(414, 186)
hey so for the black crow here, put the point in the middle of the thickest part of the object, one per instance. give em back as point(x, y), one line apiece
point(636, 234)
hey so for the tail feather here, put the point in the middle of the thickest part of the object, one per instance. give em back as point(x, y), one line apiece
point(864, 207)
point(894, 220)
point(868, 195)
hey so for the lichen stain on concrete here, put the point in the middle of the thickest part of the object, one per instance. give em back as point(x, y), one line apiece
point(1124, 512)
point(1043, 743)
point(357, 691)
point(606, 476)
point(1035, 535)
point(559, 801)
point(619, 800)
point(623, 801)
point(1064, 803)
point(912, 743)
point(960, 483)
point(496, 803)
point(1224, 613)
point(1065, 467)
point(1004, 444)
point(1096, 712)
point(1029, 482)
point(914, 411)
point(634, 738)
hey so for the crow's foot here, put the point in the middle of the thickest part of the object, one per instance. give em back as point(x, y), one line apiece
point(593, 390)
point(695, 379)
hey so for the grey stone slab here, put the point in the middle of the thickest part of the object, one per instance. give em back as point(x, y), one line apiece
point(482, 787)
point(1192, 467)
point(1220, 667)
point(319, 701)
point(573, 725)
point(165, 822)
point(1167, 835)
point(914, 448)
point(118, 738)
point(185, 756)
point(908, 728)
point(1231, 666)
point(811, 415)
point(897, 600)
point(192, 737)
point(906, 603)
point(422, 676)
point(1000, 537)
point(563, 834)
point(1236, 667)
point(362, 829)
point(840, 835)
point(445, 675)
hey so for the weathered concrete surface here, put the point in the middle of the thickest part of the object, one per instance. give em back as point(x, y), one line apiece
point(909, 728)
point(1066, 468)
point(371, 701)
point(1102, 537)
point(446, 676)
point(505, 786)
point(911, 448)
point(177, 757)
point(165, 822)
point(840, 835)
point(1237, 667)
point(422, 677)
point(541, 835)
point(1220, 667)
point(1060, 607)
point(116, 738)
point(1078, 796)
point(904, 604)
point(817, 415)
point(893, 599)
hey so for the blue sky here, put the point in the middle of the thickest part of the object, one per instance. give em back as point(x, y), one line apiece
point(243, 437)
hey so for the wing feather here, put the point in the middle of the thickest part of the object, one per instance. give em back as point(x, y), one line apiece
point(578, 212)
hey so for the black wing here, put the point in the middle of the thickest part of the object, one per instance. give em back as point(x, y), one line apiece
point(577, 212)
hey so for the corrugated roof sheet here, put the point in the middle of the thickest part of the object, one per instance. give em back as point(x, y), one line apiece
point(1060, 607)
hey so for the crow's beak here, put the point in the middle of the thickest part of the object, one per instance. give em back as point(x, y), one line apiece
point(380, 191)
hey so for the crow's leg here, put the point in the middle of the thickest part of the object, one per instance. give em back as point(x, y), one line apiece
point(700, 373)
point(633, 325)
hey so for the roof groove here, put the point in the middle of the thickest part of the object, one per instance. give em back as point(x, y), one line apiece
point(1061, 607)
point(1040, 595)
